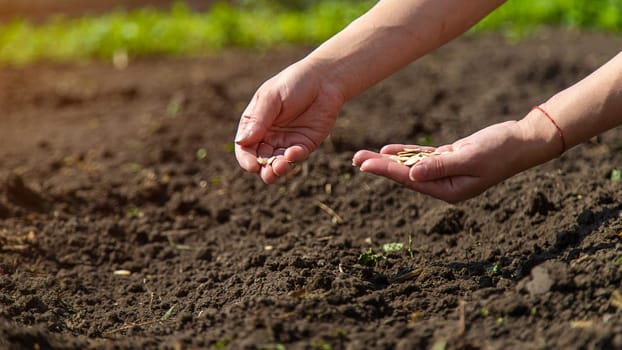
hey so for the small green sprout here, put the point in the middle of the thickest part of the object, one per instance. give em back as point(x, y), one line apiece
point(133, 213)
point(134, 167)
point(319, 344)
point(616, 175)
point(483, 311)
point(392, 247)
point(345, 177)
point(369, 258)
point(494, 268)
point(173, 107)
point(221, 344)
point(425, 140)
point(618, 260)
point(229, 147)
point(201, 153)
point(168, 313)
point(410, 245)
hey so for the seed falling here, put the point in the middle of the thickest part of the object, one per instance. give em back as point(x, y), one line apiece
point(122, 273)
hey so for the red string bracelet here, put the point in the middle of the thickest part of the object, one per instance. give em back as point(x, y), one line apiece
point(561, 133)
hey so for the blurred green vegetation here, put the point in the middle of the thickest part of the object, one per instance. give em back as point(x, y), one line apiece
point(520, 17)
point(254, 24)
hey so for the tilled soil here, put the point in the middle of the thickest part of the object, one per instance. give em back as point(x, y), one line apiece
point(103, 170)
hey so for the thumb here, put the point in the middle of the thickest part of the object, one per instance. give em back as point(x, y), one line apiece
point(257, 118)
point(438, 167)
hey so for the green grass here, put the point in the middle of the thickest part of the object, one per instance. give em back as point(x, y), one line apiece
point(518, 17)
point(179, 31)
point(175, 32)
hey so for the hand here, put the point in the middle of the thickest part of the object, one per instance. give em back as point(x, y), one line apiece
point(288, 117)
point(465, 168)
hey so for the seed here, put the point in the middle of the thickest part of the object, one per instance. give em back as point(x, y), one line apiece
point(266, 161)
point(410, 156)
point(412, 161)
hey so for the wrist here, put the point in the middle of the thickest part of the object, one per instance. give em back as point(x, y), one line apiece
point(542, 137)
point(328, 73)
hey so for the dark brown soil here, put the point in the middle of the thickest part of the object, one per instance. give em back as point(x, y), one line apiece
point(100, 171)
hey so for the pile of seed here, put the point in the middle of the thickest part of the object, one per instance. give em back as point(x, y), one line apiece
point(410, 156)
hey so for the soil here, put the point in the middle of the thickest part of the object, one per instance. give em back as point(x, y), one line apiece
point(105, 170)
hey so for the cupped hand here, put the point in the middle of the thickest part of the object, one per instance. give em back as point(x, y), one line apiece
point(287, 118)
point(463, 169)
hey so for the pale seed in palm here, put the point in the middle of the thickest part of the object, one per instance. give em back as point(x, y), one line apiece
point(411, 156)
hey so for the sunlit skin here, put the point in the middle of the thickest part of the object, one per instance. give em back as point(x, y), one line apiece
point(497, 152)
point(293, 112)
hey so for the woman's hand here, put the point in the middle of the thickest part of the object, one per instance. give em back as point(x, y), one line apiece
point(287, 118)
point(469, 166)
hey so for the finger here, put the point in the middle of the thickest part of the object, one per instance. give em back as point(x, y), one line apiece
point(247, 158)
point(440, 166)
point(265, 151)
point(450, 189)
point(383, 166)
point(297, 153)
point(257, 118)
point(445, 148)
point(267, 175)
point(363, 155)
point(280, 166)
point(394, 148)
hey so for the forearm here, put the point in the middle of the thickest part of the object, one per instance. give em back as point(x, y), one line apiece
point(584, 110)
point(392, 34)
point(591, 106)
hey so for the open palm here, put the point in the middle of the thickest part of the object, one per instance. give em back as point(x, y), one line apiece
point(463, 170)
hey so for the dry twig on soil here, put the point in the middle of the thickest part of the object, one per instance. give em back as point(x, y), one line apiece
point(335, 218)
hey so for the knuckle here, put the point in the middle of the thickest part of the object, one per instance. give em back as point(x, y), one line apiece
point(438, 167)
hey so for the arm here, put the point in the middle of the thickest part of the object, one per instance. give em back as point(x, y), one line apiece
point(391, 35)
point(589, 107)
point(293, 112)
point(473, 164)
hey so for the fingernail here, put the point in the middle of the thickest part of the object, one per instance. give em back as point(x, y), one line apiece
point(362, 166)
point(420, 168)
point(241, 136)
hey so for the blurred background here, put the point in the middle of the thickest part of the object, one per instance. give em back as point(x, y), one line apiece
point(70, 30)
point(42, 9)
